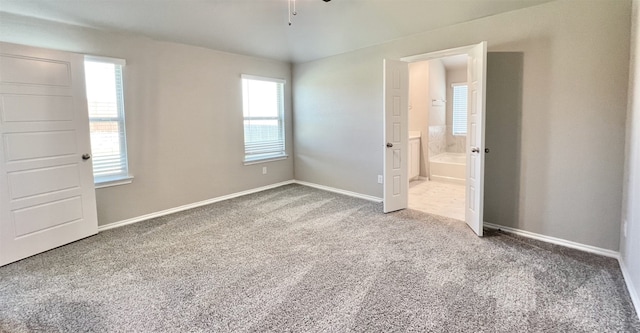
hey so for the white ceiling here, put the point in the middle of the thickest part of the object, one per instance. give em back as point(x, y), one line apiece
point(259, 27)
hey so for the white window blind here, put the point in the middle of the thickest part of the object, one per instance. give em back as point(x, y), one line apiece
point(263, 110)
point(459, 106)
point(106, 118)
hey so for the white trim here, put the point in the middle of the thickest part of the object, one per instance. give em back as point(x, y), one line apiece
point(266, 159)
point(190, 206)
point(633, 293)
point(557, 241)
point(107, 60)
point(439, 54)
point(114, 182)
point(262, 78)
point(339, 191)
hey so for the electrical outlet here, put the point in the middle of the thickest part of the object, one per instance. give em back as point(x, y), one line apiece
point(264, 170)
point(379, 179)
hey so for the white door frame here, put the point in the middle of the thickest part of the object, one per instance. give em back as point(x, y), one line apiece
point(463, 50)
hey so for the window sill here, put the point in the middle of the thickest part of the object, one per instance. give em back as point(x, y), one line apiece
point(114, 182)
point(266, 159)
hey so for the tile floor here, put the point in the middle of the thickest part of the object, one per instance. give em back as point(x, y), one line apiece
point(439, 198)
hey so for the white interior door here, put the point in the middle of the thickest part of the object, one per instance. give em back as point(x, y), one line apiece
point(396, 136)
point(47, 195)
point(476, 76)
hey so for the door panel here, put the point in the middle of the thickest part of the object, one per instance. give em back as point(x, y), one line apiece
point(33, 145)
point(21, 108)
point(40, 217)
point(44, 180)
point(476, 75)
point(46, 189)
point(23, 69)
point(396, 100)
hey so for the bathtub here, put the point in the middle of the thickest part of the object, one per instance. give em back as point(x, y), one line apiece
point(448, 167)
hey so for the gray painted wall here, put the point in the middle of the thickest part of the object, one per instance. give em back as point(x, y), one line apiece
point(575, 72)
point(630, 244)
point(183, 109)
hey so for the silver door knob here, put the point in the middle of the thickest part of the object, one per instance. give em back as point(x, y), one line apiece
point(389, 144)
point(86, 156)
point(475, 149)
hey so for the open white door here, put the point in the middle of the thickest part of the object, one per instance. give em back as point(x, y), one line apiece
point(47, 195)
point(396, 137)
point(476, 76)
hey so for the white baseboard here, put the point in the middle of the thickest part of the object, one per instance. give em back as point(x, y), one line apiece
point(339, 191)
point(189, 206)
point(231, 196)
point(635, 296)
point(557, 241)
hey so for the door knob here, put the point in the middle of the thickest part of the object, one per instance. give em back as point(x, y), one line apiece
point(475, 149)
point(389, 144)
point(86, 156)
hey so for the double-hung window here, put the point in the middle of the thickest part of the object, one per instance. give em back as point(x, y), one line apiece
point(103, 78)
point(263, 112)
point(459, 107)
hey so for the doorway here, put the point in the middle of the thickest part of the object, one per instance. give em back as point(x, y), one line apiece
point(438, 95)
point(397, 168)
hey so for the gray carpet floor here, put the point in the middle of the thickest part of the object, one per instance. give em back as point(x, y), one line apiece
point(297, 259)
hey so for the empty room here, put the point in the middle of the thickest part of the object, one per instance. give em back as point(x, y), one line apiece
point(319, 166)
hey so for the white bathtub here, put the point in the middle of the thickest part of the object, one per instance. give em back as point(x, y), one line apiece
point(448, 167)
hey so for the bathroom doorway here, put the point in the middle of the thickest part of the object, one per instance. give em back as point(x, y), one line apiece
point(438, 95)
point(440, 165)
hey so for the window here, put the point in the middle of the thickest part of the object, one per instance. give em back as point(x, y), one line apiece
point(103, 77)
point(263, 110)
point(459, 108)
